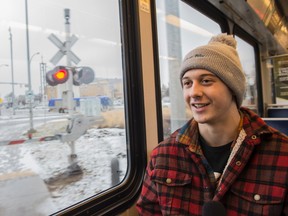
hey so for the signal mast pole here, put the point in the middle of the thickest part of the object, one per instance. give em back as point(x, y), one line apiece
point(69, 83)
point(74, 167)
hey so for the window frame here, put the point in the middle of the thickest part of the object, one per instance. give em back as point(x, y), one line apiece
point(122, 196)
point(203, 7)
point(239, 32)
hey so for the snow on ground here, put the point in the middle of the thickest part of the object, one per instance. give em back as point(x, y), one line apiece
point(50, 160)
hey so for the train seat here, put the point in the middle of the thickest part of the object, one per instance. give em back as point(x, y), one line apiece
point(277, 112)
point(280, 124)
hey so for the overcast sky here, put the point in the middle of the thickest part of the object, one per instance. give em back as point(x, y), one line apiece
point(97, 26)
point(98, 45)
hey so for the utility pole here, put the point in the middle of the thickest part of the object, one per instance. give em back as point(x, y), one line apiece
point(31, 130)
point(12, 71)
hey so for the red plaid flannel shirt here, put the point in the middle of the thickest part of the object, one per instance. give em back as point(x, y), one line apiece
point(179, 179)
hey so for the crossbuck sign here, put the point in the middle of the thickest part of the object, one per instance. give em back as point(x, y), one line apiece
point(63, 49)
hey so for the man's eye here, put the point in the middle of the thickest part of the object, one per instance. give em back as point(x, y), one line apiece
point(206, 81)
point(186, 83)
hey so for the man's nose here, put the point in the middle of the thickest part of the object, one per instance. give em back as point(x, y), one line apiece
point(196, 90)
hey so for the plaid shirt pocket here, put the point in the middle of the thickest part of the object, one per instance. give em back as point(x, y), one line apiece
point(256, 199)
point(174, 191)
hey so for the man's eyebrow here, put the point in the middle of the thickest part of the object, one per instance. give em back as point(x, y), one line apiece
point(212, 75)
point(201, 76)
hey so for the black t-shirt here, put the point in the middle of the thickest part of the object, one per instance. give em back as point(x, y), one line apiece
point(216, 156)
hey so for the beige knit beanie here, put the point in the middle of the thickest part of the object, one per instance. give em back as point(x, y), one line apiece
point(220, 57)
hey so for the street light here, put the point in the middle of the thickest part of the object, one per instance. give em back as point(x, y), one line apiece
point(42, 78)
point(37, 53)
point(30, 94)
point(3, 65)
point(12, 70)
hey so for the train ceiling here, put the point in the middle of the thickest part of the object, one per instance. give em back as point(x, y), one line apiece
point(259, 16)
point(274, 14)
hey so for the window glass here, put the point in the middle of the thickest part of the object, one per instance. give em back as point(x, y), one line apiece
point(247, 58)
point(279, 71)
point(180, 28)
point(60, 143)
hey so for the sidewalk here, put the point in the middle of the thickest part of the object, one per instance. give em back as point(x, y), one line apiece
point(22, 191)
point(24, 194)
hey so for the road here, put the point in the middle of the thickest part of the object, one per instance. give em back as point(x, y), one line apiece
point(13, 127)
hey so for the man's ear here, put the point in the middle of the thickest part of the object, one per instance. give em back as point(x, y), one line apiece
point(234, 99)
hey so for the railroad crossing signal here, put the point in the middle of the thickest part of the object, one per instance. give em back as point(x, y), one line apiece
point(60, 74)
point(63, 49)
point(84, 75)
point(57, 76)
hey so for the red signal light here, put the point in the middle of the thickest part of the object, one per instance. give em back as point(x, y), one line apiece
point(58, 75)
point(61, 74)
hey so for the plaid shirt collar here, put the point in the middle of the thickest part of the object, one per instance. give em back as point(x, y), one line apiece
point(253, 125)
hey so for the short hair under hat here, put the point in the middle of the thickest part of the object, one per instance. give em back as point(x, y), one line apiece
point(220, 57)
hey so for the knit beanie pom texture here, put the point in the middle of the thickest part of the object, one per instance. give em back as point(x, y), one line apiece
point(224, 39)
point(220, 57)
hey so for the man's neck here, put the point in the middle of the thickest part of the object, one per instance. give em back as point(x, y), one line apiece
point(223, 132)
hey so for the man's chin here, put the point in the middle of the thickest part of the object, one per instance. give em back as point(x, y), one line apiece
point(201, 120)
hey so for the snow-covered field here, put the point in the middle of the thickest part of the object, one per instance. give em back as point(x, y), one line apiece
point(50, 161)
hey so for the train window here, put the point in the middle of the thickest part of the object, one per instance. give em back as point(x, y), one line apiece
point(180, 28)
point(64, 123)
point(247, 58)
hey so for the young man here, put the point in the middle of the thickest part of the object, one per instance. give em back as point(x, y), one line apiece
point(224, 154)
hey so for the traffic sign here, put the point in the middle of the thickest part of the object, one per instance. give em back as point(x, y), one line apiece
point(29, 96)
point(63, 50)
point(29, 93)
